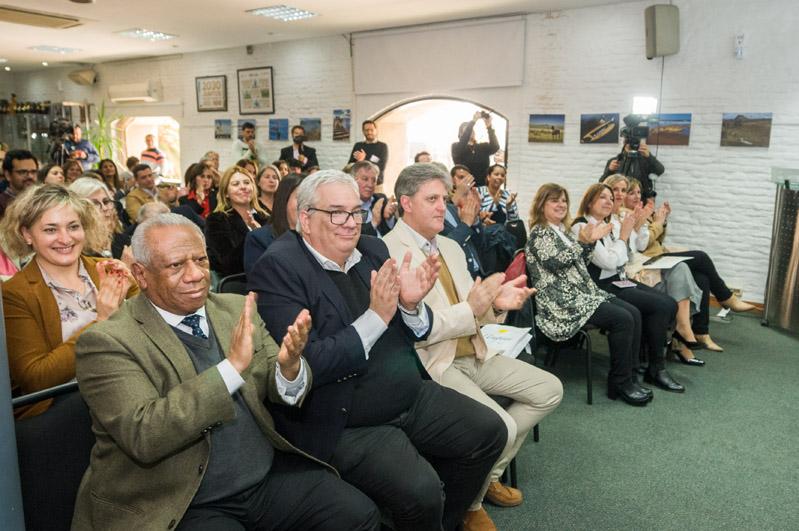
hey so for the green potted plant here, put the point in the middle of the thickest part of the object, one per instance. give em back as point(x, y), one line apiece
point(101, 136)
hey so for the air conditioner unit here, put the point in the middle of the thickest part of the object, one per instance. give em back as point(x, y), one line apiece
point(83, 77)
point(146, 92)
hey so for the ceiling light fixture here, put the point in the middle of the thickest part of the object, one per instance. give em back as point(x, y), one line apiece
point(54, 49)
point(146, 35)
point(282, 12)
point(3, 60)
point(7, 68)
point(44, 63)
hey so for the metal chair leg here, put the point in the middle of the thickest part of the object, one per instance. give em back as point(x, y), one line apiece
point(588, 382)
point(513, 477)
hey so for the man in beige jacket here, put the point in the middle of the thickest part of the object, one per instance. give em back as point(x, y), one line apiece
point(455, 353)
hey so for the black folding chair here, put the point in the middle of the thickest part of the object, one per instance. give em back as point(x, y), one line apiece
point(233, 284)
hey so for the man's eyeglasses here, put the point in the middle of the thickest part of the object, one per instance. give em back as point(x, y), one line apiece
point(105, 203)
point(340, 217)
point(29, 173)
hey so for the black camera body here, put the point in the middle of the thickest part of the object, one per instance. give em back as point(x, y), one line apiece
point(59, 130)
point(636, 128)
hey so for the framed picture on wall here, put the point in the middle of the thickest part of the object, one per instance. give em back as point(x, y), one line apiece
point(211, 93)
point(255, 90)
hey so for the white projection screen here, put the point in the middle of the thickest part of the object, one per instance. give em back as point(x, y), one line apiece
point(459, 55)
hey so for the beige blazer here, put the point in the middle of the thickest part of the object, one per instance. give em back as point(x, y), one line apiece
point(450, 321)
point(152, 414)
point(136, 199)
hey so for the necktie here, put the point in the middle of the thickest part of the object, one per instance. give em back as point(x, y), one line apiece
point(193, 322)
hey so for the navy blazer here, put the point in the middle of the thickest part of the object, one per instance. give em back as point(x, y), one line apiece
point(287, 279)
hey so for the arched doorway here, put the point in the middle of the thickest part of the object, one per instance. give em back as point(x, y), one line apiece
point(431, 124)
point(131, 132)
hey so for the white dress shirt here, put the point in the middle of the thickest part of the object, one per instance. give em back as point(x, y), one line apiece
point(370, 326)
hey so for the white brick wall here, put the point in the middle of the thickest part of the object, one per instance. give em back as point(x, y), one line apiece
point(577, 61)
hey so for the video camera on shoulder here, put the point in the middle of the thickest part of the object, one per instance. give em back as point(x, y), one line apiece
point(636, 128)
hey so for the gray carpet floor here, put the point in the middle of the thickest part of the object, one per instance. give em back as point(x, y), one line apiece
point(724, 455)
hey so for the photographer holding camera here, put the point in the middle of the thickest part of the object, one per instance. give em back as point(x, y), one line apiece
point(635, 160)
point(469, 153)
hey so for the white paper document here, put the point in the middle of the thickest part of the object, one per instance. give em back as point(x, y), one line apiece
point(664, 262)
point(507, 340)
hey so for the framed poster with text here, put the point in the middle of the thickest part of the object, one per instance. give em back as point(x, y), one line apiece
point(211, 93)
point(255, 91)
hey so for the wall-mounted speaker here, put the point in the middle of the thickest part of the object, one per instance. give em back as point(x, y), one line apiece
point(662, 30)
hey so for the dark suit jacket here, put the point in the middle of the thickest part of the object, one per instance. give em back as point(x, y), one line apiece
point(287, 278)
point(382, 228)
point(287, 154)
point(224, 236)
point(152, 413)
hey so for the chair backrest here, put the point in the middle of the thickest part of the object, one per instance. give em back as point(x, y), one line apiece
point(233, 284)
point(53, 450)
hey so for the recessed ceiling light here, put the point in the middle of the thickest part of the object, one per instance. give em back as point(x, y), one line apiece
point(54, 49)
point(146, 35)
point(281, 12)
point(7, 68)
point(44, 63)
point(3, 60)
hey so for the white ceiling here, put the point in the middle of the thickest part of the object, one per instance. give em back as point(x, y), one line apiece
point(213, 24)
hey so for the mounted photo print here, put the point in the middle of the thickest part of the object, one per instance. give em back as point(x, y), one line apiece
point(748, 129)
point(599, 128)
point(546, 128)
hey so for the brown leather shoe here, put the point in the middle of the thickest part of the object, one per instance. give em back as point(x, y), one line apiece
point(478, 521)
point(503, 495)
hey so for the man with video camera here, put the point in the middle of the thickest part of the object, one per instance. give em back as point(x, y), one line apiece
point(635, 160)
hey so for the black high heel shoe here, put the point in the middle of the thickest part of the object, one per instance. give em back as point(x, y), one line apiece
point(695, 362)
point(693, 345)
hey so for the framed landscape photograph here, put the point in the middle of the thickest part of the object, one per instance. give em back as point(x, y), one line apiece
point(211, 93)
point(746, 129)
point(546, 128)
point(255, 90)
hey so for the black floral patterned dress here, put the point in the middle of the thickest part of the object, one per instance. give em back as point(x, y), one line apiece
point(567, 296)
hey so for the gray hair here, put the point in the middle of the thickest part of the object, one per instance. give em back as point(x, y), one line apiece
point(441, 166)
point(364, 165)
point(139, 243)
point(151, 209)
point(306, 191)
point(86, 186)
point(412, 177)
